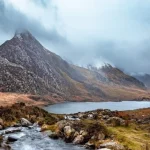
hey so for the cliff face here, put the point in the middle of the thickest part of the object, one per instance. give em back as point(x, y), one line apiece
point(15, 78)
point(27, 67)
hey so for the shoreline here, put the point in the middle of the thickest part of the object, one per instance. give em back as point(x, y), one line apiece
point(7, 98)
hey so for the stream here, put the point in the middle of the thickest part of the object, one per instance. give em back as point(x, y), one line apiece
point(33, 139)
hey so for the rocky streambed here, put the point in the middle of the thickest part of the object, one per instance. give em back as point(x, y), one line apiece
point(31, 128)
point(30, 138)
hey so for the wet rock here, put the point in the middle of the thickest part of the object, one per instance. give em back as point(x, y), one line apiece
point(17, 125)
point(10, 130)
point(35, 125)
point(25, 122)
point(1, 127)
point(68, 132)
point(54, 136)
point(90, 145)
point(37, 128)
point(78, 140)
point(15, 137)
point(12, 139)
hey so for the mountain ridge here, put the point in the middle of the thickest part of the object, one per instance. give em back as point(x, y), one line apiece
point(145, 78)
point(42, 72)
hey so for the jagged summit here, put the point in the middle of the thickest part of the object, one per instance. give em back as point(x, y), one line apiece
point(22, 31)
point(23, 35)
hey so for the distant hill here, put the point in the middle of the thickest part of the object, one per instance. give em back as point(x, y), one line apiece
point(27, 67)
point(145, 78)
point(111, 83)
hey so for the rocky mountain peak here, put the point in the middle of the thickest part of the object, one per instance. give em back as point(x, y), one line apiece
point(23, 35)
point(22, 32)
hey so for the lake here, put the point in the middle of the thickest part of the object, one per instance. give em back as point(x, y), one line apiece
point(74, 107)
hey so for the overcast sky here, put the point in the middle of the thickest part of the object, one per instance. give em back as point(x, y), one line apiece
point(85, 31)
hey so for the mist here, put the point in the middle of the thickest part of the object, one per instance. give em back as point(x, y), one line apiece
point(85, 32)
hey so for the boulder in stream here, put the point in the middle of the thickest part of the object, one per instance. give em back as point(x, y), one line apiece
point(14, 137)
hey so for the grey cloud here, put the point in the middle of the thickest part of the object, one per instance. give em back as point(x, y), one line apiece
point(120, 36)
point(130, 49)
point(12, 20)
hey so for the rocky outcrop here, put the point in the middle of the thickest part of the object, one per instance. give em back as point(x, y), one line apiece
point(89, 132)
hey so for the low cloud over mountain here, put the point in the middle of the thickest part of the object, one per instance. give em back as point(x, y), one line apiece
point(85, 32)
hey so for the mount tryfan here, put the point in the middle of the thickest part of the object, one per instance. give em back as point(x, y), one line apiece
point(27, 67)
point(45, 69)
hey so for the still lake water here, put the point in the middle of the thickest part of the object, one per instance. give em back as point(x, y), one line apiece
point(74, 107)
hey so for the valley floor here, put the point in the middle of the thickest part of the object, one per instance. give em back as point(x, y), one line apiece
point(7, 99)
